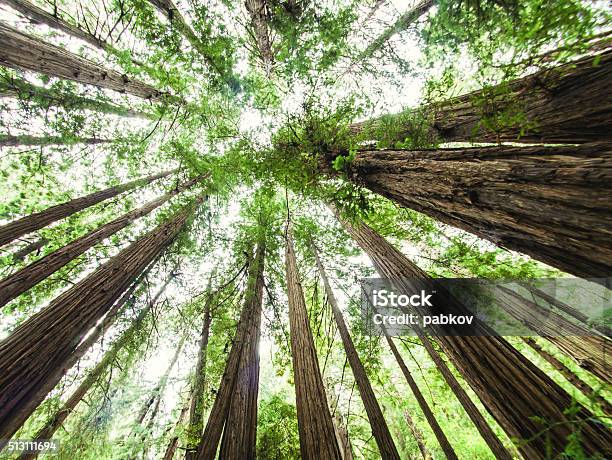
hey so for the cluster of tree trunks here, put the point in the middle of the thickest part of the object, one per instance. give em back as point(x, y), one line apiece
point(32, 355)
point(552, 203)
point(512, 389)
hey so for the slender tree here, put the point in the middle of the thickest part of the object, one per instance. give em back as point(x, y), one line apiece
point(551, 203)
point(22, 280)
point(418, 436)
point(380, 430)
point(317, 436)
point(38, 220)
point(34, 246)
point(43, 141)
point(259, 12)
point(44, 343)
point(518, 394)
point(173, 443)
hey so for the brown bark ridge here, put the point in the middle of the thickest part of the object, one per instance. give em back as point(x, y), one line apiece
point(589, 351)
point(570, 376)
point(207, 450)
point(22, 280)
point(511, 388)
point(551, 203)
point(569, 104)
point(448, 450)
point(380, 429)
point(418, 435)
point(42, 141)
point(316, 428)
point(44, 343)
point(496, 446)
point(240, 432)
point(38, 220)
point(21, 51)
point(259, 15)
point(49, 429)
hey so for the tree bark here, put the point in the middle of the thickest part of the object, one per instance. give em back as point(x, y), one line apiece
point(512, 389)
point(316, 428)
point(27, 140)
point(565, 104)
point(240, 433)
point(570, 376)
point(25, 52)
point(418, 435)
point(429, 415)
point(43, 344)
point(551, 203)
point(173, 443)
point(19, 282)
point(38, 220)
point(19, 256)
point(340, 428)
point(259, 15)
point(380, 430)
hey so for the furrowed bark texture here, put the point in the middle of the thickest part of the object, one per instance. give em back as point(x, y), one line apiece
point(429, 415)
point(44, 343)
point(511, 388)
point(259, 14)
point(207, 450)
point(240, 432)
point(380, 430)
point(569, 104)
point(47, 431)
point(317, 436)
point(496, 446)
point(570, 376)
point(551, 203)
point(19, 282)
point(25, 52)
point(38, 220)
point(26, 140)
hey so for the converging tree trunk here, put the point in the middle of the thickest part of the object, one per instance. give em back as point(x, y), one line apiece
point(565, 104)
point(26, 52)
point(19, 282)
point(38, 220)
point(317, 436)
point(259, 13)
point(43, 141)
point(380, 430)
point(551, 203)
point(526, 403)
point(44, 343)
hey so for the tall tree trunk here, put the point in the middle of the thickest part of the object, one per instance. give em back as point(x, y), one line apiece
point(38, 220)
point(43, 344)
point(340, 428)
point(25, 91)
point(380, 430)
point(589, 351)
point(19, 256)
point(429, 415)
point(19, 282)
point(27, 140)
point(259, 14)
point(173, 443)
point(552, 203)
point(196, 409)
point(207, 450)
point(570, 376)
point(565, 104)
point(513, 390)
point(496, 446)
point(240, 433)
point(317, 436)
point(49, 429)
point(26, 52)
point(418, 435)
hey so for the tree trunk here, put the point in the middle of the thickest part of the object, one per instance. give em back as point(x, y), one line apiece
point(19, 256)
point(514, 391)
point(418, 435)
point(240, 433)
point(43, 344)
point(570, 376)
point(25, 52)
point(38, 220)
point(380, 430)
point(340, 428)
point(568, 104)
point(47, 431)
point(173, 443)
point(19, 282)
point(43, 141)
point(316, 428)
point(45, 98)
point(496, 446)
point(551, 203)
point(431, 418)
point(259, 14)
